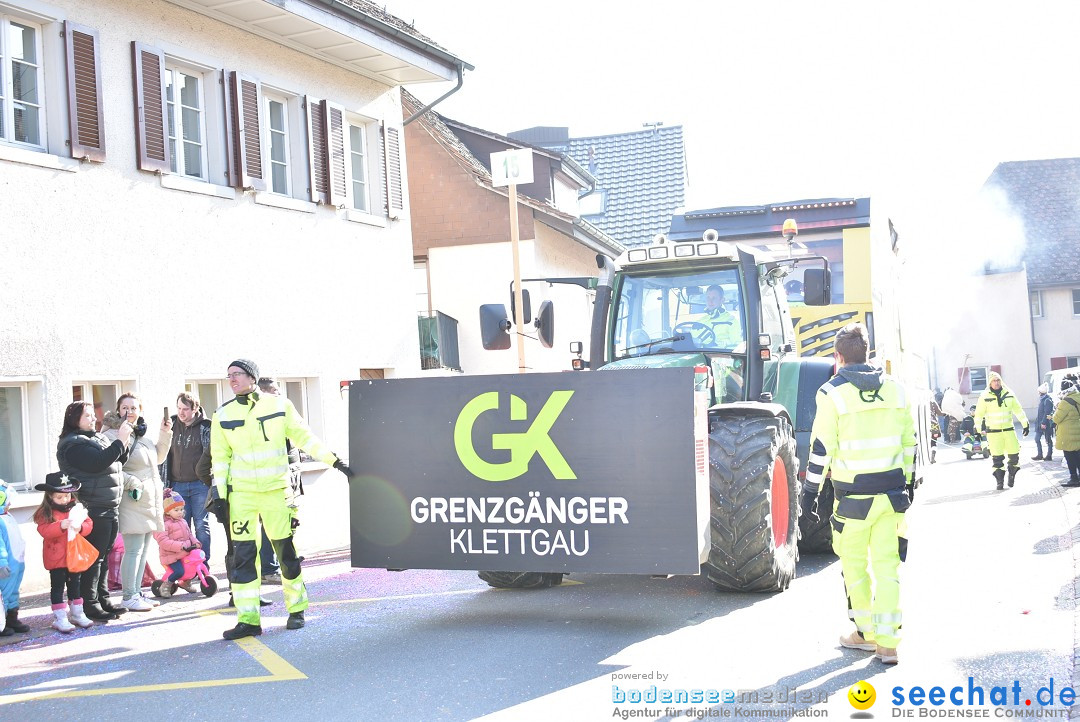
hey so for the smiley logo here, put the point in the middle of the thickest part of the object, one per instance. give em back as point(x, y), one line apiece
point(862, 695)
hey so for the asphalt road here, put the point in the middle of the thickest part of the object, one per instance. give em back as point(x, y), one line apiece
point(989, 592)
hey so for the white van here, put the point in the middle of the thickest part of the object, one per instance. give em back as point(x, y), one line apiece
point(1053, 379)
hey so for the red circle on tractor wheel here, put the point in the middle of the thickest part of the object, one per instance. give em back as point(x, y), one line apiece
point(780, 518)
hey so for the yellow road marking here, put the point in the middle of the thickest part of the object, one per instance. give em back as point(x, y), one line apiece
point(279, 669)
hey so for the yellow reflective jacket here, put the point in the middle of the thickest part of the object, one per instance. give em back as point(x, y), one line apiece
point(865, 436)
point(998, 410)
point(247, 443)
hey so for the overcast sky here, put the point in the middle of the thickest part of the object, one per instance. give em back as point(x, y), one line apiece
point(779, 100)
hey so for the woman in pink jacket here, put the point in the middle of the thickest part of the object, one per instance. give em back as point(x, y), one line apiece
point(174, 544)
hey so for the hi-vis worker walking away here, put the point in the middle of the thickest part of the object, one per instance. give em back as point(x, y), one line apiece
point(251, 482)
point(864, 434)
point(993, 414)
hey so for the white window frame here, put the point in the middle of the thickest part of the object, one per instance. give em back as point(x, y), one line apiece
point(173, 68)
point(288, 104)
point(223, 391)
point(7, 87)
point(122, 386)
point(365, 153)
point(23, 484)
point(1035, 300)
point(1076, 302)
point(985, 372)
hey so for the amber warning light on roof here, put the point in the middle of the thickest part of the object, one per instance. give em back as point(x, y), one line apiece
point(791, 229)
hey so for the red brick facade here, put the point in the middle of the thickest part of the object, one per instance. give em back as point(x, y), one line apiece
point(447, 206)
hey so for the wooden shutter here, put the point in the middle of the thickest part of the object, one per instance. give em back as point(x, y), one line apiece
point(84, 92)
point(1058, 362)
point(245, 95)
point(151, 134)
point(392, 165)
point(995, 369)
point(318, 171)
point(963, 377)
point(232, 163)
point(337, 165)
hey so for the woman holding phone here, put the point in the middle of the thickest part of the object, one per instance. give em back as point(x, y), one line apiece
point(141, 509)
point(97, 463)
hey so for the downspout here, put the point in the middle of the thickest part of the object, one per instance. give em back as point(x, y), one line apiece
point(441, 98)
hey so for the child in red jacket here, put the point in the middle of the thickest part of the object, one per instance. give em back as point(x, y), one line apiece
point(52, 519)
point(174, 544)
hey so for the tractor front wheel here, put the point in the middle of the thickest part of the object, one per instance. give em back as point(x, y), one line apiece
point(755, 503)
point(521, 580)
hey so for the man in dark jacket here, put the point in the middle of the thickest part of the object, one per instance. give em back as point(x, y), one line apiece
point(1044, 425)
point(191, 438)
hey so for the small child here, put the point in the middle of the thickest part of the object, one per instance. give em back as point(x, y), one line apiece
point(52, 519)
point(12, 565)
point(174, 543)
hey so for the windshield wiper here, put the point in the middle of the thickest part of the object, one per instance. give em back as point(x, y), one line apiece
point(650, 344)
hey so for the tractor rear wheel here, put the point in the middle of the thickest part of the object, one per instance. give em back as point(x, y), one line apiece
point(816, 537)
point(755, 503)
point(521, 580)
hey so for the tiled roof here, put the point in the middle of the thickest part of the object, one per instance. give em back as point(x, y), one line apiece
point(1046, 194)
point(377, 13)
point(644, 176)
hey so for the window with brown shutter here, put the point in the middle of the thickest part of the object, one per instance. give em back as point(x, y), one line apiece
point(392, 145)
point(337, 177)
point(244, 94)
point(151, 135)
point(317, 150)
point(84, 92)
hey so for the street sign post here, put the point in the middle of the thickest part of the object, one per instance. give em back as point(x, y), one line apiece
point(508, 168)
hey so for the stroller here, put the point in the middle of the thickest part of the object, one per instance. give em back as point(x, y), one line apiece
point(194, 569)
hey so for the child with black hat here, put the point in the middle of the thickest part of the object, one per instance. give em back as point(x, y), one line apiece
point(60, 510)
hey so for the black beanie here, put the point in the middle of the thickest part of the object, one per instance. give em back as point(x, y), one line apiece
point(247, 367)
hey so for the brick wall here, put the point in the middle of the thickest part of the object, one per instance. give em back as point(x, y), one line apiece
point(448, 207)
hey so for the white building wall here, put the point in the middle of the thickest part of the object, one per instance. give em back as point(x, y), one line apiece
point(110, 275)
point(465, 277)
point(1058, 330)
point(999, 335)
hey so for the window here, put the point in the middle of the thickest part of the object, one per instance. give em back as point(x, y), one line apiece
point(22, 110)
point(420, 283)
point(277, 145)
point(13, 443)
point(358, 166)
point(593, 204)
point(186, 122)
point(296, 391)
point(209, 393)
point(1036, 304)
point(1076, 301)
point(103, 394)
point(978, 378)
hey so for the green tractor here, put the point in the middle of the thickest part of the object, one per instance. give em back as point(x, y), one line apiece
point(721, 309)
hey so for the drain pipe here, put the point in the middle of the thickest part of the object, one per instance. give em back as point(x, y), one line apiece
point(441, 98)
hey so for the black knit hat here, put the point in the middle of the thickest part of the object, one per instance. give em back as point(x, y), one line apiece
point(58, 482)
point(247, 367)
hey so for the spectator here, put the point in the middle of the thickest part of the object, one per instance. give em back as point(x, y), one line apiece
point(12, 565)
point(190, 440)
point(1044, 424)
point(141, 503)
point(1067, 418)
point(175, 540)
point(97, 463)
point(59, 510)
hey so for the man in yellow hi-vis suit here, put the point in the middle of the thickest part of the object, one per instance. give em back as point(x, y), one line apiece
point(724, 324)
point(864, 434)
point(995, 408)
point(251, 482)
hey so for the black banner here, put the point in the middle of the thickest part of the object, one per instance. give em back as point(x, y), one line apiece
point(558, 472)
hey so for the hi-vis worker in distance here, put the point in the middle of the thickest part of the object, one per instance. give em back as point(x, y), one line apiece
point(994, 415)
point(864, 435)
point(251, 485)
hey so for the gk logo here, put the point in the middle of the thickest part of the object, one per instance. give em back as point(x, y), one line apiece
point(522, 445)
point(238, 528)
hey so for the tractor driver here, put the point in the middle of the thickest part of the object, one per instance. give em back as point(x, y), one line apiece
point(723, 323)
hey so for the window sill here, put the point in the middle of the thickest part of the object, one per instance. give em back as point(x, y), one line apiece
point(366, 218)
point(179, 183)
point(278, 201)
point(43, 160)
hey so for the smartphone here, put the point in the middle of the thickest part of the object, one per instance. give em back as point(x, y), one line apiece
point(165, 412)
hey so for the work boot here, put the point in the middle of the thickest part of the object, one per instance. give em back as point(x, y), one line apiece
point(13, 622)
point(242, 630)
point(855, 640)
point(1012, 476)
point(296, 620)
point(61, 623)
point(77, 617)
point(999, 475)
point(1073, 481)
point(887, 655)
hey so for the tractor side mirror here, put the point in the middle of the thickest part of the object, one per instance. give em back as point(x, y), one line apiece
point(526, 305)
point(494, 327)
point(545, 324)
point(817, 287)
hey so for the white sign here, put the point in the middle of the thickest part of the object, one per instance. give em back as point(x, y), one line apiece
point(512, 167)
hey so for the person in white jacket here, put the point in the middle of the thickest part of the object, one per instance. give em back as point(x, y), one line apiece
point(141, 512)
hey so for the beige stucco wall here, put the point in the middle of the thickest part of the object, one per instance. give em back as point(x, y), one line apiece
point(1058, 330)
point(1001, 338)
point(110, 275)
point(464, 277)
